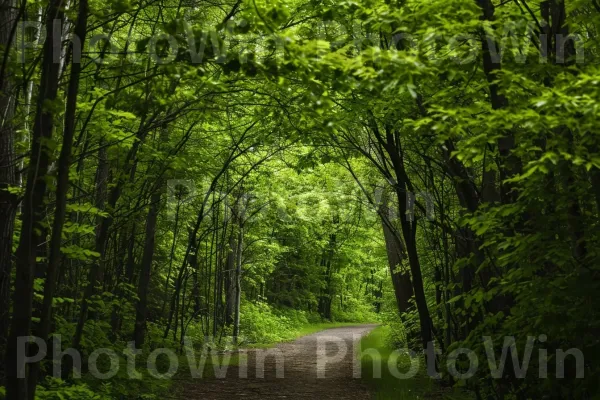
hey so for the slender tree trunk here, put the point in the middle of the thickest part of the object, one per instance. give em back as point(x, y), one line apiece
point(396, 251)
point(62, 188)
point(218, 284)
point(326, 298)
point(171, 256)
point(196, 292)
point(409, 230)
point(146, 268)
point(447, 266)
point(560, 31)
point(148, 257)
point(33, 207)
point(8, 201)
point(209, 263)
point(230, 279)
point(120, 274)
point(238, 270)
point(595, 181)
point(510, 164)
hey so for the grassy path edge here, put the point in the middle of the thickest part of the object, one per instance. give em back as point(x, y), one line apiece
point(388, 387)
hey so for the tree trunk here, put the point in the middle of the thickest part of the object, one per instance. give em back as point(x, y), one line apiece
point(146, 268)
point(33, 206)
point(230, 286)
point(510, 164)
point(327, 296)
point(238, 269)
point(238, 285)
point(409, 230)
point(8, 201)
point(396, 251)
point(171, 256)
point(64, 164)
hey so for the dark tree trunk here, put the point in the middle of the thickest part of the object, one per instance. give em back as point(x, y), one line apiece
point(238, 276)
point(171, 256)
point(62, 188)
point(33, 206)
point(510, 164)
point(122, 275)
point(396, 251)
point(148, 256)
point(8, 177)
point(595, 180)
point(326, 298)
point(409, 231)
point(146, 269)
point(559, 31)
point(230, 286)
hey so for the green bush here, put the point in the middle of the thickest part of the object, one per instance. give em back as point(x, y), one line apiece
point(57, 389)
point(355, 310)
point(262, 323)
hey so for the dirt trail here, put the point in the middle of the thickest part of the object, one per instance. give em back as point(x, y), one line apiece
point(301, 377)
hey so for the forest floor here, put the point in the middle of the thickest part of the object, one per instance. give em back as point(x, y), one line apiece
point(320, 365)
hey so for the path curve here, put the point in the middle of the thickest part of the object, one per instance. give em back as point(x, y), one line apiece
point(302, 377)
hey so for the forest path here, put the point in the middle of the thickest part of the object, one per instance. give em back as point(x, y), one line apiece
point(317, 366)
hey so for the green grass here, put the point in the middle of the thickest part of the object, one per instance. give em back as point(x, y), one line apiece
point(302, 331)
point(388, 386)
point(314, 328)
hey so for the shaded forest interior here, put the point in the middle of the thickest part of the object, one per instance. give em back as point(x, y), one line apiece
point(244, 169)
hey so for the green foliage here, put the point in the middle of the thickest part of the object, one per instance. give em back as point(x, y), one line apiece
point(258, 134)
point(376, 350)
point(56, 389)
point(354, 310)
point(262, 324)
